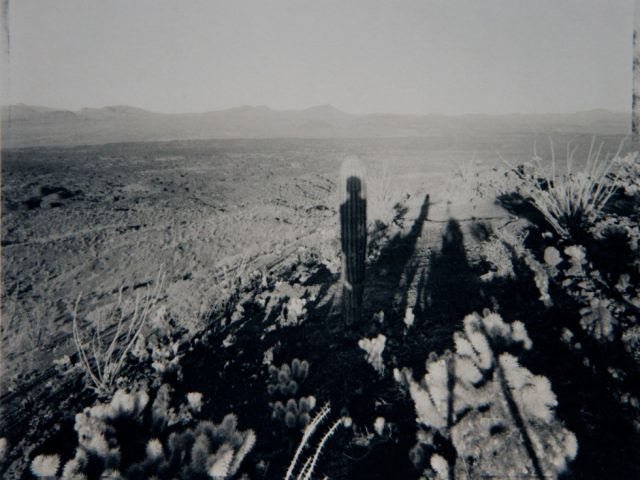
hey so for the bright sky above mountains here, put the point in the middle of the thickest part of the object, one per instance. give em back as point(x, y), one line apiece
point(401, 56)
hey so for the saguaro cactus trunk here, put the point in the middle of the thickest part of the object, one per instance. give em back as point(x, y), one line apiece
point(635, 104)
point(353, 236)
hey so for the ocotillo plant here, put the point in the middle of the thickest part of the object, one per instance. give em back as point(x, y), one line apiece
point(353, 235)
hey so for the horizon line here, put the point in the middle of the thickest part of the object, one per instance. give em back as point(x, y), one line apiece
point(317, 106)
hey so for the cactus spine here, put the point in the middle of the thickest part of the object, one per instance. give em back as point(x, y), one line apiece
point(353, 235)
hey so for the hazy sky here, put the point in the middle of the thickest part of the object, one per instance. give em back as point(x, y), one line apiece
point(422, 56)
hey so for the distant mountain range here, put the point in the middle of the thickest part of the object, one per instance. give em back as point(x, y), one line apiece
point(27, 125)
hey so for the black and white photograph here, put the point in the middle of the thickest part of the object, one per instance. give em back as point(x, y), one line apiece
point(320, 239)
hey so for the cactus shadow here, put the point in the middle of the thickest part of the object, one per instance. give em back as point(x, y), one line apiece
point(390, 278)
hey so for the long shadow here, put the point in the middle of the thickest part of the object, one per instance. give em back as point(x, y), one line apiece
point(446, 292)
point(392, 275)
point(450, 289)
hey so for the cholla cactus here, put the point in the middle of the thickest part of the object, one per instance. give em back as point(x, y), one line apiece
point(489, 408)
point(353, 226)
point(287, 379)
point(374, 348)
point(409, 317)
point(284, 382)
point(105, 431)
point(540, 277)
point(3, 448)
point(216, 450)
point(305, 471)
point(295, 414)
point(45, 466)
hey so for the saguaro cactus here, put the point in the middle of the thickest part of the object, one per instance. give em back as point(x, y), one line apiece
point(635, 103)
point(353, 235)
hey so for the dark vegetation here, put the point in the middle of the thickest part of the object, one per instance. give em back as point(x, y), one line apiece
point(504, 348)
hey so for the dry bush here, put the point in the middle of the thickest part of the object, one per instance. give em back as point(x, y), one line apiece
point(102, 360)
point(571, 202)
point(471, 183)
point(628, 175)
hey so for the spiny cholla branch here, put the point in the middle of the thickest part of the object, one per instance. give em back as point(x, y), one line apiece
point(307, 467)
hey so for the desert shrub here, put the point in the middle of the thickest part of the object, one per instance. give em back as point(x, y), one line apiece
point(161, 354)
point(134, 437)
point(628, 175)
point(233, 285)
point(470, 182)
point(294, 312)
point(503, 247)
point(504, 253)
point(498, 257)
point(480, 413)
point(466, 183)
point(373, 348)
point(285, 304)
point(573, 201)
point(102, 360)
point(386, 209)
point(608, 306)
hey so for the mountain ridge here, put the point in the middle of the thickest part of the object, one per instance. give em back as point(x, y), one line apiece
point(33, 125)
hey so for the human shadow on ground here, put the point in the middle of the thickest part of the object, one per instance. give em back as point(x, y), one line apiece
point(450, 289)
point(447, 291)
point(390, 277)
point(234, 377)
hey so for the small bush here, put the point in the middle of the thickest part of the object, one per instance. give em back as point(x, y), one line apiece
point(573, 201)
point(102, 360)
point(374, 348)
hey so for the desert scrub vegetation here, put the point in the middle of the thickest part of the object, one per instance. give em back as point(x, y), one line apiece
point(137, 436)
point(284, 385)
point(592, 253)
point(581, 252)
point(480, 403)
point(525, 398)
point(102, 359)
point(572, 200)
